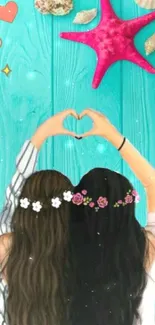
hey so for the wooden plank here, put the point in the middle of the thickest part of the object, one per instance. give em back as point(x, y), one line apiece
point(26, 95)
point(138, 102)
point(74, 66)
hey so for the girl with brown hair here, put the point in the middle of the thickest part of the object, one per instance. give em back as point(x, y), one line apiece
point(34, 241)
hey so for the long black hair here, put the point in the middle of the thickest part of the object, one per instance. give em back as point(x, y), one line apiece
point(110, 247)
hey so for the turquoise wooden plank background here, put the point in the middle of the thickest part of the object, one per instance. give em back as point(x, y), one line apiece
point(50, 74)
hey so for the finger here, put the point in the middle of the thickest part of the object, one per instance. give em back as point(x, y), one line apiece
point(67, 132)
point(68, 112)
point(88, 112)
point(86, 134)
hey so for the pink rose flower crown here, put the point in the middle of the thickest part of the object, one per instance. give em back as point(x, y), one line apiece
point(102, 202)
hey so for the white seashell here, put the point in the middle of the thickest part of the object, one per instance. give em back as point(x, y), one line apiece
point(85, 16)
point(150, 45)
point(147, 4)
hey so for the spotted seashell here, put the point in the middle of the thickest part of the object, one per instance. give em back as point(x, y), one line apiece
point(61, 7)
point(54, 7)
point(147, 4)
point(85, 16)
point(42, 6)
point(150, 45)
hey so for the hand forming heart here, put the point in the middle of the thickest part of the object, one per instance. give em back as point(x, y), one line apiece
point(101, 125)
point(54, 126)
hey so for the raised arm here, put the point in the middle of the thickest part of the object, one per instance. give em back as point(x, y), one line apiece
point(141, 168)
point(26, 162)
point(25, 165)
point(139, 165)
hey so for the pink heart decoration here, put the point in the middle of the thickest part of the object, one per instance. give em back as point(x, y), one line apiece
point(8, 12)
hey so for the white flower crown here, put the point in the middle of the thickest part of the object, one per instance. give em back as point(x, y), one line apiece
point(55, 202)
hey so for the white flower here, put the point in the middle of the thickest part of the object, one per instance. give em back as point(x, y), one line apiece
point(137, 199)
point(36, 206)
point(56, 202)
point(67, 196)
point(24, 203)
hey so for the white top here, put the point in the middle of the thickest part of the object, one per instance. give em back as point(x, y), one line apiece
point(3, 297)
point(26, 162)
point(147, 307)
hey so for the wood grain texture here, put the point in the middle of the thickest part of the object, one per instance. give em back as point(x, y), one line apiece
point(25, 96)
point(138, 102)
point(74, 66)
point(50, 74)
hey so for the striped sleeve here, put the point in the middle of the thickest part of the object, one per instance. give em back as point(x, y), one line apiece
point(3, 298)
point(25, 166)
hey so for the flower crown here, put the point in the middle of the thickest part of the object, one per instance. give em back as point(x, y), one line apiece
point(82, 199)
point(55, 202)
point(102, 202)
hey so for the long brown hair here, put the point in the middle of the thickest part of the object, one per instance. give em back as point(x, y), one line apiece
point(37, 266)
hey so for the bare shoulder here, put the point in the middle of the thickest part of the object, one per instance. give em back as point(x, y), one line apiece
point(151, 237)
point(5, 244)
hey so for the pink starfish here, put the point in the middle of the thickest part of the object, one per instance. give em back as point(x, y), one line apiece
point(113, 40)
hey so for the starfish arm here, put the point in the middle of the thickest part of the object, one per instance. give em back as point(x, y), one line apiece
point(135, 57)
point(74, 36)
point(101, 70)
point(107, 8)
point(137, 24)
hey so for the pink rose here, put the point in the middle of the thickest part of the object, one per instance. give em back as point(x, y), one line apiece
point(128, 199)
point(77, 199)
point(134, 193)
point(84, 192)
point(120, 202)
point(102, 202)
point(91, 204)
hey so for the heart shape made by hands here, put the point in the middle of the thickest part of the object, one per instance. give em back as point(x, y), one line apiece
point(79, 125)
point(8, 12)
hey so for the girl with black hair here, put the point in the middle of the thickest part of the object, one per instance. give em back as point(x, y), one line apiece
point(115, 255)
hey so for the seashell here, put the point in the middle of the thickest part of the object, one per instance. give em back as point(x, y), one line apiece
point(147, 4)
point(42, 6)
point(61, 7)
point(150, 45)
point(85, 16)
point(54, 7)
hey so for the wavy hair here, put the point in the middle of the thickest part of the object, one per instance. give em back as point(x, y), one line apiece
point(38, 262)
point(110, 246)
